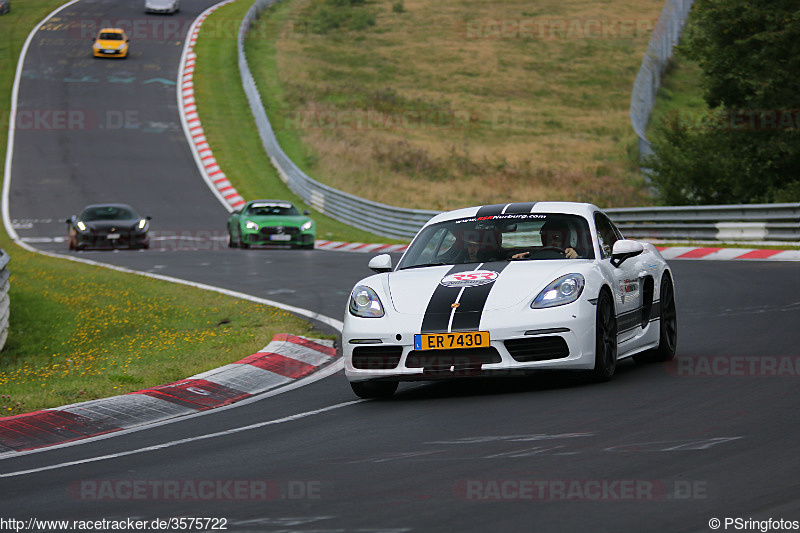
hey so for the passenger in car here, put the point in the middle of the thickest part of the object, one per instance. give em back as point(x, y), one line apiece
point(554, 234)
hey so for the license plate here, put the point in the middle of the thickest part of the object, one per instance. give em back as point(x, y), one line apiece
point(112, 236)
point(449, 341)
point(282, 237)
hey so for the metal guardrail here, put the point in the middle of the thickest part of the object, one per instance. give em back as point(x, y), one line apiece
point(753, 222)
point(778, 222)
point(659, 51)
point(5, 301)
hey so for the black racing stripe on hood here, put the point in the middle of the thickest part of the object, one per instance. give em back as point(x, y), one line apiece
point(468, 315)
point(437, 315)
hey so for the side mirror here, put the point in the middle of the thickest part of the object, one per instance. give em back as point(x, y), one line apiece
point(625, 249)
point(148, 217)
point(306, 212)
point(381, 263)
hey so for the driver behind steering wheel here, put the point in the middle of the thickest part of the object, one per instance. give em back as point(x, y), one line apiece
point(554, 235)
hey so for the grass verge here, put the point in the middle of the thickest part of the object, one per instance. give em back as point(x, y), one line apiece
point(679, 97)
point(81, 332)
point(452, 103)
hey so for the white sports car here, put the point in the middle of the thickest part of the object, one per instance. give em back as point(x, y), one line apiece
point(505, 289)
point(162, 6)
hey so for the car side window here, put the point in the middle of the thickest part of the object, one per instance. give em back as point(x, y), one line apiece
point(607, 234)
point(438, 245)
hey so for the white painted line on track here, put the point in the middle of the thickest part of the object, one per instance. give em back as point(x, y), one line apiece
point(12, 120)
point(290, 418)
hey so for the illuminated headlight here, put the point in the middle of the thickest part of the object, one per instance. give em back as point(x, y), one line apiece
point(251, 225)
point(307, 226)
point(562, 291)
point(365, 303)
point(142, 223)
point(81, 225)
point(97, 46)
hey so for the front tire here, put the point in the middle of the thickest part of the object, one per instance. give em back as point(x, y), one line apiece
point(374, 389)
point(605, 350)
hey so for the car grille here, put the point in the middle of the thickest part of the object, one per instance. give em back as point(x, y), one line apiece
point(101, 236)
point(537, 348)
point(377, 357)
point(445, 359)
point(276, 230)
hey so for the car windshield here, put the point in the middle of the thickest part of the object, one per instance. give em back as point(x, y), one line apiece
point(266, 209)
point(109, 36)
point(539, 236)
point(108, 213)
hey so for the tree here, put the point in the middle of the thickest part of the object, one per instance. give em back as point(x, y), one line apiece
point(748, 148)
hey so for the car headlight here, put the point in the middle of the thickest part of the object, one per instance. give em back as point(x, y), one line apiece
point(365, 303)
point(307, 226)
point(562, 291)
point(142, 223)
point(251, 225)
point(81, 225)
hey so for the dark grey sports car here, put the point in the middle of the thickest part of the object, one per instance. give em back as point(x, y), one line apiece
point(108, 226)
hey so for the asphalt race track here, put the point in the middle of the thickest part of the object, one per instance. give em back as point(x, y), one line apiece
point(663, 447)
point(93, 130)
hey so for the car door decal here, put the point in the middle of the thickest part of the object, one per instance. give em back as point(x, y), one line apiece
point(629, 320)
point(632, 319)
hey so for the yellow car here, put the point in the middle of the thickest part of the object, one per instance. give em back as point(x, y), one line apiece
point(111, 42)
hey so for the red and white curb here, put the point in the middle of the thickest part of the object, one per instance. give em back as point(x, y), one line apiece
point(726, 254)
point(192, 127)
point(284, 360)
point(339, 246)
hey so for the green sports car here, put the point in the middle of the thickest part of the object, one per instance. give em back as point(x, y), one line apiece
point(267, 222)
